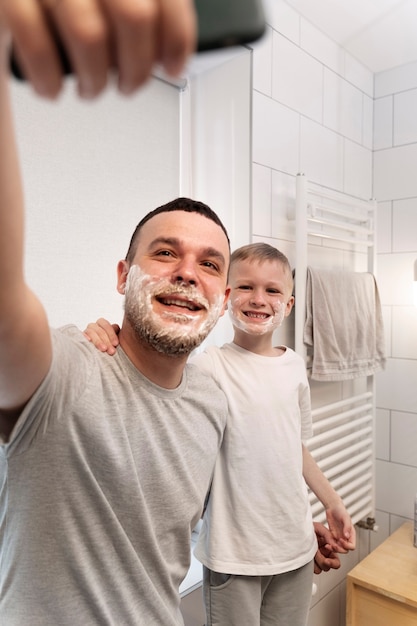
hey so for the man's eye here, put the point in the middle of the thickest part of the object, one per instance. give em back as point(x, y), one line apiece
point(211, 265)
point(164, 253)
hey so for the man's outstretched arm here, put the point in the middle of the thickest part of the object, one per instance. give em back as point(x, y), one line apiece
point(25, 352)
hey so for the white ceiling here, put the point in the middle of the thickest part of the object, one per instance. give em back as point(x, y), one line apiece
point(380, 33)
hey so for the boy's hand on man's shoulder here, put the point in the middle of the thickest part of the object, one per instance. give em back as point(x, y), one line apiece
point(103, 335)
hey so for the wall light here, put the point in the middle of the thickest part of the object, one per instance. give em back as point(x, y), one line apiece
point(415, 284)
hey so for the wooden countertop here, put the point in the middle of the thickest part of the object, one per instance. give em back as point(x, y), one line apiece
point(391, 569)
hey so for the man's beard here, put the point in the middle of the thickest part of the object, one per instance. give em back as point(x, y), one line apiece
point(173, 334)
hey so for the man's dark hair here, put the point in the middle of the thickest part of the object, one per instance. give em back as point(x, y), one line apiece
point(179, 204)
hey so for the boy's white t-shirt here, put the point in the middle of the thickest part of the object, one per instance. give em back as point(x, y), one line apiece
point(258, 520)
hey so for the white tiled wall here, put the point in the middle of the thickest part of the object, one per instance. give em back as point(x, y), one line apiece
point(395, 163)
point(316, 109)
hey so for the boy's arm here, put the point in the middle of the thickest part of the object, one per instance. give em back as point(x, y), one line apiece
point(25, 353)
point(338, 518)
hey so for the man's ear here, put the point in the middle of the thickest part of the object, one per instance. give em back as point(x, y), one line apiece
point(226, 298)
point(122, 272)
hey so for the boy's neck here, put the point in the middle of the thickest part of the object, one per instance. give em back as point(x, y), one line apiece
point(258, 344)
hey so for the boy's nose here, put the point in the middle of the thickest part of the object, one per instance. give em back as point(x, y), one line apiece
point(257, 298)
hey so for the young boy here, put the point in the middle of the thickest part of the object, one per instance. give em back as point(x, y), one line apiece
point(257, 542)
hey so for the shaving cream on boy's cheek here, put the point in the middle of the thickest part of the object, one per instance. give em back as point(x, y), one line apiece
point(256, 326)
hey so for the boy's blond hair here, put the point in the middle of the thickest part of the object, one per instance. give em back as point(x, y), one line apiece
point(262, 251)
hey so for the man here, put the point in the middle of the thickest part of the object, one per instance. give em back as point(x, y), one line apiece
point(105, 462)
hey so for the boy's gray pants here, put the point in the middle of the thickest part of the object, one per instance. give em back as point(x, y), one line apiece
point(279, 600)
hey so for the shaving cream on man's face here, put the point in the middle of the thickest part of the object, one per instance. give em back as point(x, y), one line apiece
point(171, 332)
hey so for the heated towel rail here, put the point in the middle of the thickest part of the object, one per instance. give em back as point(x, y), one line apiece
point(326, 222)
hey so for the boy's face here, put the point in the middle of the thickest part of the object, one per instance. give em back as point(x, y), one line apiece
point(260, 297)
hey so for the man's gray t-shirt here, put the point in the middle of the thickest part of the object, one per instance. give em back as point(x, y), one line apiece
point(101, 483)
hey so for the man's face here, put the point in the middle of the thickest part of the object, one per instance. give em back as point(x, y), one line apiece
point(260, 296)
point(176, 286)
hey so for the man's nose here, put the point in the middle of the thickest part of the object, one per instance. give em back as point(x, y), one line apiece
point(185, 273)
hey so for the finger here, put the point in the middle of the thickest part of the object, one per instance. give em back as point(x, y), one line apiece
point(101, 346)
point(319, 567)
point(331, 546)
point(147, 32)
point(83, 27)
point(350, 535)
point(346, 546)
point(34, 45)
point(333, 563)
point(327, 561)
point(178, 34)
point(108, 331)
point(134, 24)
point(104, 340)
point(325, 538)
point(321, 563)
point(93, 336)
point(116, 329)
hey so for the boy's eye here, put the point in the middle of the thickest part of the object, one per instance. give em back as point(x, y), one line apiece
point(244, 287)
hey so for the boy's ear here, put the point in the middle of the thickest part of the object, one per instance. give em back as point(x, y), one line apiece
point(226, 299)
point(122, 272)
point(289, 306)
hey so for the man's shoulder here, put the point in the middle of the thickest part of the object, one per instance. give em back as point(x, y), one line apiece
point(201, 376)
point(74, 357)
point(69, 330)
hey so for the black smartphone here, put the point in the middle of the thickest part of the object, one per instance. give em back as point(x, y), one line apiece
point(221, 23)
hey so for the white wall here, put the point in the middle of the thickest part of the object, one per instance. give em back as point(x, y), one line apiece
point(91, 171)
point(395, 185)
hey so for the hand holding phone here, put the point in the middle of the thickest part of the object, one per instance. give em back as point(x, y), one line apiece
point(92, 38)
point(62, 29)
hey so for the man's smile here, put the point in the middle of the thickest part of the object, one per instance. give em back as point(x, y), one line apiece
point(175, 301)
